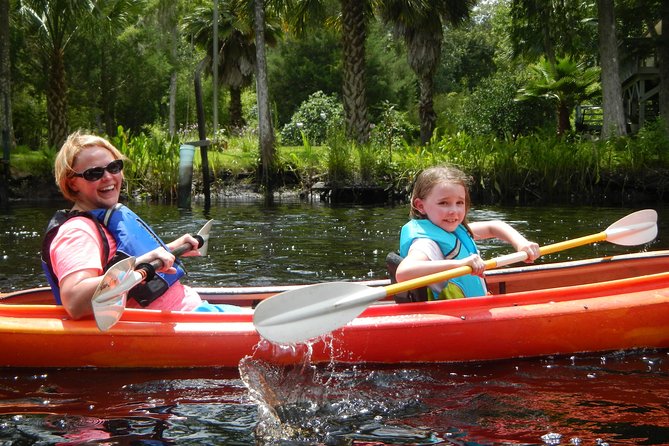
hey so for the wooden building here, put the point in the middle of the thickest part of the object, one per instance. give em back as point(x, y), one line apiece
point(640, 78)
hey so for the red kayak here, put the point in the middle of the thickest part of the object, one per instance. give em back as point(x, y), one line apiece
point(595, 305)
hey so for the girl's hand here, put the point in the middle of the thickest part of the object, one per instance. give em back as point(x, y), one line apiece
point(476, 263)
point(532, 250)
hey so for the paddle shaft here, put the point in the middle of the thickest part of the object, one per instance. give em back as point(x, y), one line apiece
point(492, 263)
point(144, 268)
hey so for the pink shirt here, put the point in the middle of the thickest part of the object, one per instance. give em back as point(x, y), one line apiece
point(78, 246)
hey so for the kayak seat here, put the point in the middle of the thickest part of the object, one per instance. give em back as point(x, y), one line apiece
point(393, 260)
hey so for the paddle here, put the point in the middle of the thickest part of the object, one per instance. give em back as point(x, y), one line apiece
point(308, 312)
point(110, 296)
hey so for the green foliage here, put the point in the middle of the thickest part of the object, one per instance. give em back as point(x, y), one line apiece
point(29, 115)
point(301, 67)
point(339, 165)
point(492, 109)
point(392, 129)
point(312, 119)
point(313, 62)
point(652, 143)
point(153, 164)
point(305, 162)
point(467, 57)
point(36, 163)
point(536, 168)
point(565, 83)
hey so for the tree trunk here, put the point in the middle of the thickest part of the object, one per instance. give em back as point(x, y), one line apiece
point(235, 109)
point(428, 118)
point(424, 51)
point(56, 100)
point(663, 56)
point(107, 93)
point(172, 117)
point(265, 130)
point(5, 76)
point(354, 35)
point(563, 125)
point(613, 123)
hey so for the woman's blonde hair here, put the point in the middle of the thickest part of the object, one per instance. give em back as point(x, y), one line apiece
point(430, 177)
point(68, 153)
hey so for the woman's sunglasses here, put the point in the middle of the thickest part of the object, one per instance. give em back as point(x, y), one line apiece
point(95, 173)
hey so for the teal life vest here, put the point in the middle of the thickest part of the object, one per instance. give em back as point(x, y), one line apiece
point(454, 245)
point(133, 238)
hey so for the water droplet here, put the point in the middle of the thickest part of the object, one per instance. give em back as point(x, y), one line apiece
point(552, 438)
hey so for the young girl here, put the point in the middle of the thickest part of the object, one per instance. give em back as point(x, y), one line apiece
point(438, 236)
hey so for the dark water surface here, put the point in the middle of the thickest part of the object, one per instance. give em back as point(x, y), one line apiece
point(615, 398)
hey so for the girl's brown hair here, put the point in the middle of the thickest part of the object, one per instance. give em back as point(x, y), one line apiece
point(68, 153)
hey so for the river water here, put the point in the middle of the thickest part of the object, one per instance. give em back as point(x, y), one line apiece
point(615, 398)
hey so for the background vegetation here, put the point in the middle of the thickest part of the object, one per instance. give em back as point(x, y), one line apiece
point(494, 92)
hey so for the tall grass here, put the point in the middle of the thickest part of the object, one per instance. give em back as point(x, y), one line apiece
point(538, 168)
point(153, 165)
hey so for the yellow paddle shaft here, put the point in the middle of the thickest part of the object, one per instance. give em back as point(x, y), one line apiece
point(519, 256)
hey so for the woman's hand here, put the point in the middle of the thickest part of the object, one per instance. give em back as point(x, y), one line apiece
point(186, 239)
point(166, 258)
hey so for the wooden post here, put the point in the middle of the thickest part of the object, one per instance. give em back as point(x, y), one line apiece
point(202, 132)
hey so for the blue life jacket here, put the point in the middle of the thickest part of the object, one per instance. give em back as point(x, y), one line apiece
point(454, 245)
point(133, 238)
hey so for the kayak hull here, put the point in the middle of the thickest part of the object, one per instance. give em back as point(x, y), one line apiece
point(603, 305)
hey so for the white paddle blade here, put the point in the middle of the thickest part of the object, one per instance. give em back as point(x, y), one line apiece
point(634, 229)
point(204, 233)
point(109, 297)
point(312, 311)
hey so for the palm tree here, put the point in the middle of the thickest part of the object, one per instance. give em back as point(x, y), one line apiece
point(565, 83)
point(420, 24)
point(613, 123)
point(168, 12)
point(354, 16)
point(5, 78)
point(265, 127)
point(237, 47)
point(351, 20)
point(52, 25)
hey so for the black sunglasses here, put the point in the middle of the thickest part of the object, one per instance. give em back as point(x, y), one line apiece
point(95, 173)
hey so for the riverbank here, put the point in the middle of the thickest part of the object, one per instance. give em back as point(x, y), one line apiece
point(619, 189)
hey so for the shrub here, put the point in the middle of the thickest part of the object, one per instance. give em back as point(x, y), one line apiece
point(312, 120)
point(492, 109)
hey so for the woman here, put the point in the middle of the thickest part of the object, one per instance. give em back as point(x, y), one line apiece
point(81, 243)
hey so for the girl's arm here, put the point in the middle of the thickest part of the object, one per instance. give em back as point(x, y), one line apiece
point(418, 264)
point(504, 231)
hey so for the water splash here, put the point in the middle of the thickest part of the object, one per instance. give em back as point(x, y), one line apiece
point(307, 404)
